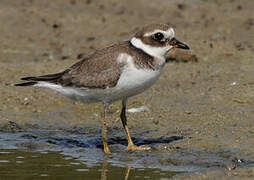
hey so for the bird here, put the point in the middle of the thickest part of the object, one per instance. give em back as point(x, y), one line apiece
point(113, 73)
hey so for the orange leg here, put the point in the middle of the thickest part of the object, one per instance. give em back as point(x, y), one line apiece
point(104, 130)
point(131, 146)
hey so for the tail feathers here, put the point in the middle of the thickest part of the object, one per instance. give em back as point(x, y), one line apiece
point(49, 77)
point(30, 83)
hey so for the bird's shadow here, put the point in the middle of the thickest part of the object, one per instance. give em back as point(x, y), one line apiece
point(95, 141)
point(140, 141)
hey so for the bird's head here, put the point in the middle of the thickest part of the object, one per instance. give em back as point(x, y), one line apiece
point(156, 40)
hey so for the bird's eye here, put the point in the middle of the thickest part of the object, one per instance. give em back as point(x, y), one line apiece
point(158, 36)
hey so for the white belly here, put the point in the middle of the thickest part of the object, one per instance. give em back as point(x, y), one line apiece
point(130, 84)
point(134, 81)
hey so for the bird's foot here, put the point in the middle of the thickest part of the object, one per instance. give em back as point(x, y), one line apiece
point(132, 147)
point(106, 149)
point(107, 152)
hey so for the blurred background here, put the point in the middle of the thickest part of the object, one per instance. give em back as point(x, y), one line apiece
point(205, 97)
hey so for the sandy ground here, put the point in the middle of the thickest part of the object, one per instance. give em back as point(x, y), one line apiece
point(206, 95)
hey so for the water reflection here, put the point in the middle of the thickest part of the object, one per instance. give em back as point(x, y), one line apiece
point(53, 165)
point(105, 170)
point(127, 172)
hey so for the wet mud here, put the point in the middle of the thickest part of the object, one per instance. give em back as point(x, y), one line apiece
point(198, 117)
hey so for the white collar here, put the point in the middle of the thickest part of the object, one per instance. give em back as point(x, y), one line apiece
point(158, 52)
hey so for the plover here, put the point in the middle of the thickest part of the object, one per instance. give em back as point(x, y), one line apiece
point(115, 73)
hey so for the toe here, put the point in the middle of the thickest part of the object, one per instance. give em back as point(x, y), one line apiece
point(144, 148)
point(139, 148)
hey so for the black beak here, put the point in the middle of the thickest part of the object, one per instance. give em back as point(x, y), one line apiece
point(177, 44)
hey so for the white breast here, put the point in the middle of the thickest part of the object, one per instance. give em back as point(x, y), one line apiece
point(133, 81)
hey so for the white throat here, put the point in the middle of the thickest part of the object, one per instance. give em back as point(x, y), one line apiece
point(158, 52)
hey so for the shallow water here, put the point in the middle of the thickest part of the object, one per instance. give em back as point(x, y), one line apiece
point(52, 154)
point(17, 164)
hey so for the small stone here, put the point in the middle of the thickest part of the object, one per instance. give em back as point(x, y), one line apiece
point(156, 122)
point(90, 38)
point(55, 26)
point(187, 112)
point(181, 6)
